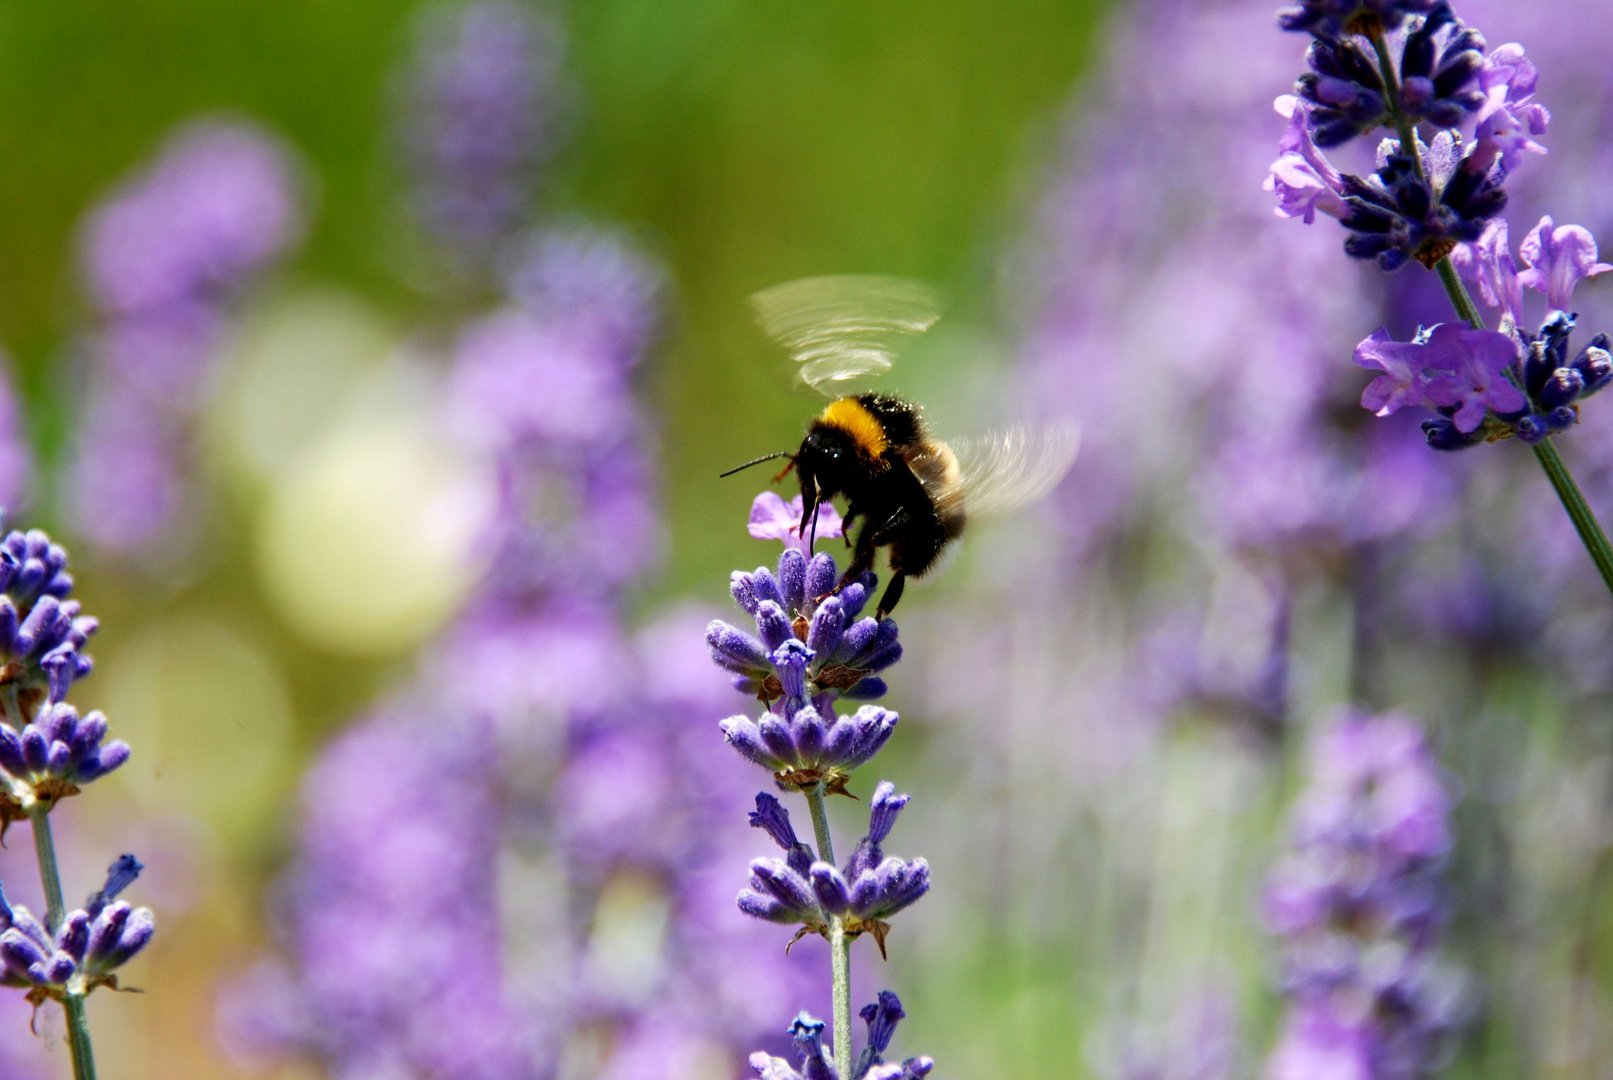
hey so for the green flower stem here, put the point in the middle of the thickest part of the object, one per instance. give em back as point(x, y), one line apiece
point(839, 944)
point(1579, 512)
point(1562, 481)
point(45, 847)
point(78, 1025)
point(78, 1038)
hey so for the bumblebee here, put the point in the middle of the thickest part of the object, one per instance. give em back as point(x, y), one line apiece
point(911, 492)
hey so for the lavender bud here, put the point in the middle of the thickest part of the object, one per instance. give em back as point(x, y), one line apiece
point(773, 624)
point(736, 650)
point(74, 935)
point(820, 576)
point(1561, 387)
point(830, 889)
point(792, 567)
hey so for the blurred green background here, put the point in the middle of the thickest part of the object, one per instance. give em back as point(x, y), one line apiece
point(746, 141)
point(750, 142)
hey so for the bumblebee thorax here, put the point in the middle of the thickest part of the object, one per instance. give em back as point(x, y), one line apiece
point(854, 419)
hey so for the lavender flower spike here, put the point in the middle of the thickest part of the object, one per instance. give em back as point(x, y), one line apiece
point(809, 748)
point(816, 1064)
point(863, 896)
point(801, 602)
point(809, 649)
point(91, 943)
point(53, 757)
point(41, 630)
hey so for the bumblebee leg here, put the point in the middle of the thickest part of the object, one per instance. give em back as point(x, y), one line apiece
point(893, 525)
point(893, 593)
point(861, 560)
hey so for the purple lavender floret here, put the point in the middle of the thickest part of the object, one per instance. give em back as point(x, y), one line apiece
point(91, 943)
point(482, 109)
point(1359, 900)
point(799, 602)
point(816, 1064)
point(809, 748)
point(1344, 90)
point(1510, 117)
point(1487, 384)
point(41, 630)
point(53, 756)
point(864, 896)
point(1439, 70)
point(1334, 18)
point(1395, 215)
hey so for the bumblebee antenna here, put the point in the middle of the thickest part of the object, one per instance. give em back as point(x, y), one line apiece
point(757, 461)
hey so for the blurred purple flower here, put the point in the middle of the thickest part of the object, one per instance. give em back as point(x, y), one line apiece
point(391, 914)
point(163, 259)
point(217, 205)
point(16, 458)
point(1359, 901)
point(481, 105)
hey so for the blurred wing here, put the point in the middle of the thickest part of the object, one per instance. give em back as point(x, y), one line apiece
point(847, 326)
point(1013, 466)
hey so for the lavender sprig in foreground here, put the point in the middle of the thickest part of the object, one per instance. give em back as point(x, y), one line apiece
point(1404, 66)
point(48, 752)
point(810, 649)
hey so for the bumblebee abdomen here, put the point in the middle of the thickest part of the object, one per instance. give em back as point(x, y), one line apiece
point(936, 467)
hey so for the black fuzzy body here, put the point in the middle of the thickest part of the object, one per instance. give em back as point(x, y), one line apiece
point(867, 456)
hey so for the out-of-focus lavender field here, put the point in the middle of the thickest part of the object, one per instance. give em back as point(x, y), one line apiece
point(377, 366)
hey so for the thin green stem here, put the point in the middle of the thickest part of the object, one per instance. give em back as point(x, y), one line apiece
point(78, 1026)
point(78, 1038)
point(820, 824)
point(1579, 512)
point(840, 966)
point(1461, 300)
point(839, 943)
point(49, 876)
